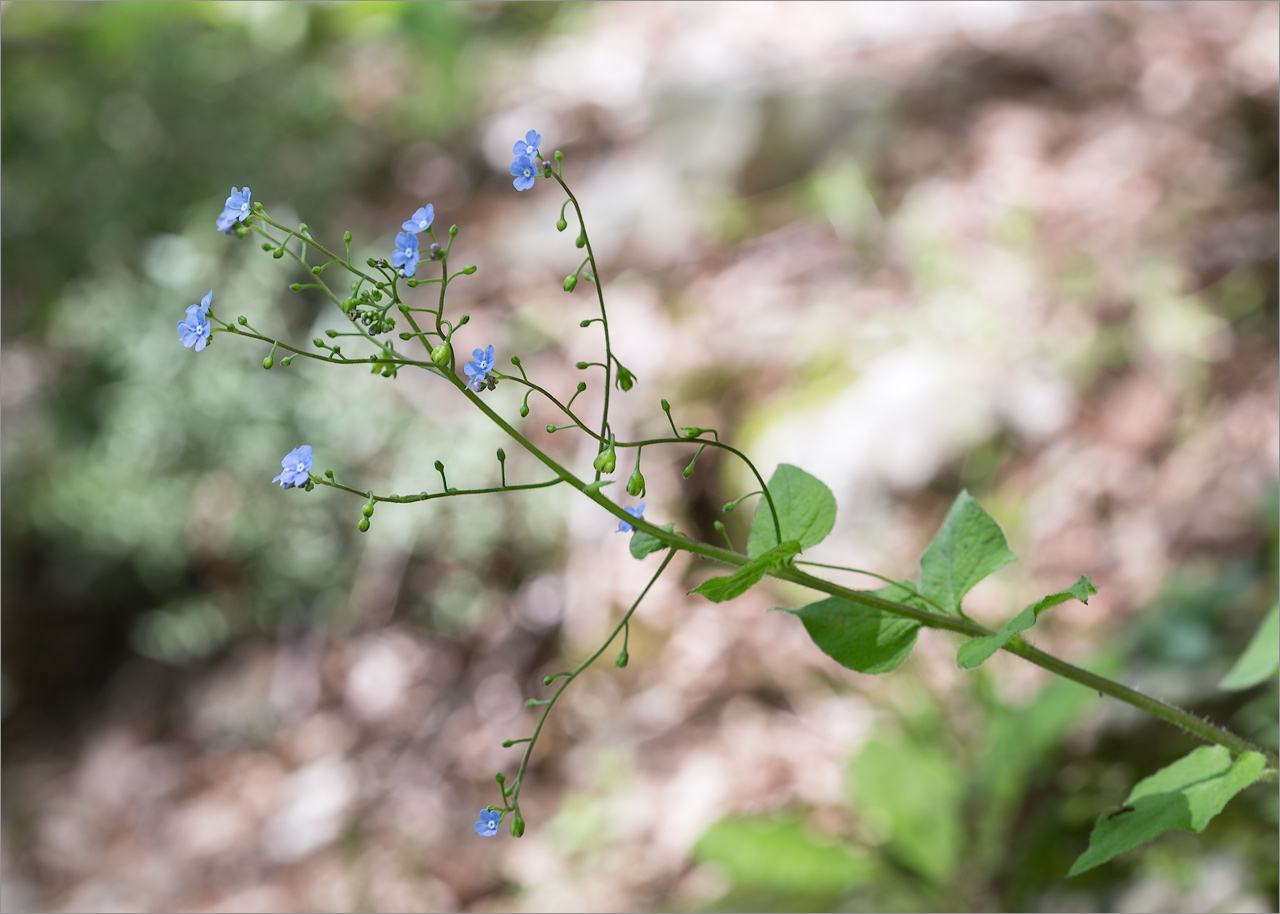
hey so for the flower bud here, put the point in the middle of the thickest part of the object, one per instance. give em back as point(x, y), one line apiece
point(635, 485)
point(692, 431)
point(581, 366)
point(242, 321)
point(626, 380)
point(440, 354)
point(570, 282)
point(469, 269)
point(278, 252)
point(517, 826)
point(268, 362)
point(439, 466)
point(363, 526)
point(606, 460)
point(331, 334)
point(524, 411)
point(561, 225)
point(319, 343)
point(367, 510)
point(317, 270)
point(582, 239)
point(502, 455)
point(295, 287)
point(666, 407)
point(346, 237)
point(621, 662)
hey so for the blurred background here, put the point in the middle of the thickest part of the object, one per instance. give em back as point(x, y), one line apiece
point(1025, 249)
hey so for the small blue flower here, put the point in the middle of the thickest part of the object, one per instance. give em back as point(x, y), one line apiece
point(406, 255)
point(529, 145)
point(421, 220)
point(526, 170)
point(478, 370)
point(195, 329)
point(487, 825)
point(236, 209)
point(637, 512)
point(296, 466)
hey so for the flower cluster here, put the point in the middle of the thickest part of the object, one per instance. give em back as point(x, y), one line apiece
point(195, 329)
point(525, 167)
point(406, 257)
point(235, 210)
point(478, 370)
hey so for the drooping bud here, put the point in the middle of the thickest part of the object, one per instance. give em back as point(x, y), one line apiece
point(621, 662)
point(635, 485)
point(606, 460)
point(367, 510)
point(440, 354)
point(571, 282)
point(561, 224)
point(517, 825)
point(268, 362)
point(625, 380)
point(363, 526)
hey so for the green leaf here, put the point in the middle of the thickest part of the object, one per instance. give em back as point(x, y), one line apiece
point(1261, 659)
point(782, 856)
point(969, 547)
point(1186, 795)
point(912, 794)
point(861, 637)
point(643, 544)
point(806, 511)
point(973, 652)
point(717, 590)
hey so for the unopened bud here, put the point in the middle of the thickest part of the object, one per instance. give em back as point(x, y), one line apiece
point(268, 362)
point(440, 354)
point(621, 662)
point(517, 825)
point(635, 485)
point(561, 225)
point(570, 282)
point(367, 510)
point(363, 526)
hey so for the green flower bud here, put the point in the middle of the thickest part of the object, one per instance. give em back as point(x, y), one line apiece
point(439, 466)
point(346, 237)
point(500, 778)
point(582, 240)
point(582, 366)
point(319, 343)
point(502, 455)
point(550, 428)
point(464, 320)
point(363, 526)
point(688, 471)
point(517, 825)
point(635, 485)
point(469, 269)
point(561, 225)
point(278, 252)
point(621, 662)
point(524, 412)
point(266, 246)
point(370, 262)
point(453, 230)
point(440, 354)
point(406, 335)
point(507, 744)
point(626, 380)
point(606, 460)
point(367, 510)
point(295, 287)
point(268, 362)
point(666, 407)
point(317, 270)
point(570, 282)
point(242, 321)
point(692, 431)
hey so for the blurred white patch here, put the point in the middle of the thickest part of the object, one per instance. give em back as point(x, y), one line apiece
point(172, 260)
point(317, 798)
point(378, 679)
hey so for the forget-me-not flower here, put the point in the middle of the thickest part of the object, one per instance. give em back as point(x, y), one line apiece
point(637, 512)
point(296, 466)
point(421, 220)
point(406, 255)
point(525, 170)
point(236, 209)
point(487, 825)
point(478, 370)
point(195, 329)
point(529, 145)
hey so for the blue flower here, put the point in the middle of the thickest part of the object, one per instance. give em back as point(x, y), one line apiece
point(637, 512)
point(297, 466)
point(195, 329)
point(406, 255)
point(236, 209)
point(487, 825)
point(478, 370)
point(529, 145)
point(525, 169)
point(421, 220)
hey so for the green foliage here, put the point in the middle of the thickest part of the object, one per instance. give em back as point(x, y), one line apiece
point(859, 637)
point(717, 590)
point(806, 511)
point(643, 544)
point(913, 793)
point(975, 651)
point(968, 547)
point(1261, 659)
point(1186, 795)
point(780, 855)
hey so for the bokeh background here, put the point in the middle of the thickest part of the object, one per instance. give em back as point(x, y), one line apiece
point(1024, 249)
